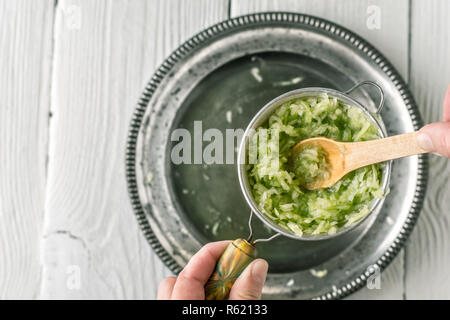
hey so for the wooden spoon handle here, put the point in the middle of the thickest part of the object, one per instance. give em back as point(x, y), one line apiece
point(360, 154)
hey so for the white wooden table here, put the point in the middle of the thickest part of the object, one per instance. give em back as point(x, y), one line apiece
point(71, 72)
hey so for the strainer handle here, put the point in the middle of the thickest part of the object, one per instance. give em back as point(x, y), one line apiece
point(236, 257)
point(368, 82)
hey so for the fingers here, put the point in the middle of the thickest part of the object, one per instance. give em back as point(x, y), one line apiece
point(191, 281)
point(250, 283)
point(446, 115)
point(165, 288)
point(435, 137)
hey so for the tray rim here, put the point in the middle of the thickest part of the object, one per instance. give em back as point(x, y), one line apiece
point(256, 20)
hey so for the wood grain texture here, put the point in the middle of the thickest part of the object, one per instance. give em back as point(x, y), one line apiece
point(25, 64)
point(391, 39)
point(428, 252)
point(105, 51)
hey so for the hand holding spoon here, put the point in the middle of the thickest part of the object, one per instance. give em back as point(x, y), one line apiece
point(344, 157)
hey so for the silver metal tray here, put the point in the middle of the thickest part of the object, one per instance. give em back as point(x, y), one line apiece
point(212, 76)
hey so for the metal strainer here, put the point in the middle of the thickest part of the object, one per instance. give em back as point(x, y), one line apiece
point(241, 252)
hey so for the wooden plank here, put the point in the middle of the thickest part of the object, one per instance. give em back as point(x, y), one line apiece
point(105, 52)
point(360, 16)
point(25, 64)
point(428, 255)
point(390, 36)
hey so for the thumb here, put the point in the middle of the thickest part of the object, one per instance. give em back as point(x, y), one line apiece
point(435, 137)
point(249, 284)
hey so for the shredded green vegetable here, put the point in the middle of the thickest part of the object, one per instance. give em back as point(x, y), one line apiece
point(277, 189)
point(310, 164)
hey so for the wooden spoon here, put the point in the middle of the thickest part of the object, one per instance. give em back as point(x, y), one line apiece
point(344, 157)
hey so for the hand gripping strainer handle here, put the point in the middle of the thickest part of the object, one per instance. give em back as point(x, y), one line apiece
point(236, 257)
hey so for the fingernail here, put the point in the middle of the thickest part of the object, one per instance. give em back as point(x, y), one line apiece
point(424, 141)
point(259, 271)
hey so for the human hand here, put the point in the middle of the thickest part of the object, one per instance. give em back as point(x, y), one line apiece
point(190, 283)
point(435, 137)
